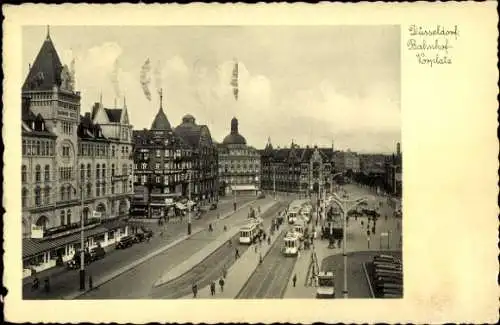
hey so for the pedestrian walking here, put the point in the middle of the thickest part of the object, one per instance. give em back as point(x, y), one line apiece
point(294, 279)
point(47, 285)
point(221, 284)
point(224, 272)
point(36, 283)
point(236, 254)
point(91, 283)
point(195, 290)
point(212, 288)
point(269, 240)
point(225, 228)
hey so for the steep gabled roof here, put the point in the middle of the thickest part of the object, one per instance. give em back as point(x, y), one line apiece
point(114, 114)
point(46, 70)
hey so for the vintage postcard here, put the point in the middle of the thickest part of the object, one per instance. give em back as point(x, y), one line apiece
point(235, 163)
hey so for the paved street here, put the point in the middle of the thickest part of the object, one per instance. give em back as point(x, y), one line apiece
point(137, 282)
point(63, 282)
point(210, 269)
point(271, 278)
point(357, 284)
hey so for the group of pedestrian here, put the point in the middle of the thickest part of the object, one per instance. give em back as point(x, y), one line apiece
point(212, 287)
point(36, 284)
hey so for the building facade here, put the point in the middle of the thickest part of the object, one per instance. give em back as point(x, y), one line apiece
point(394, 172)
point(171, 164)
point(239, 164)
point(66, 159)
point(297, 170)
point(347, 161)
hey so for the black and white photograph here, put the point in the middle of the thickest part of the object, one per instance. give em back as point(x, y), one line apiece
point(211, 162)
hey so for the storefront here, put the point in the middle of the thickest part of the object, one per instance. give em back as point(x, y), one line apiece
point(42, 254)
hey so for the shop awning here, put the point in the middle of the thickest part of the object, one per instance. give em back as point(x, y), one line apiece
point(243, 188)
point(180, 206)
point(33, 247)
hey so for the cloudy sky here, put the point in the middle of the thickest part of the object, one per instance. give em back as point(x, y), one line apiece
point(310, 84)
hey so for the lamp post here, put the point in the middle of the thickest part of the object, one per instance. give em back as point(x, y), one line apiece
point(189, 203)
point(82, 236)
point(342, 204)
point(274, 182)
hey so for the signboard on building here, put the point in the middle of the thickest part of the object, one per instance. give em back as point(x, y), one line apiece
point(36, 232)
point(96, 214)
point(169, 201)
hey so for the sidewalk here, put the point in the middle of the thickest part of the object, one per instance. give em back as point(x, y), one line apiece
point(197, 258)
point(98, 281)
point(239, 273)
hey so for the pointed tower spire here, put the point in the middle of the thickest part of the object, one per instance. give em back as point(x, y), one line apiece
point(124, 102)
point(100, 98)
point(161, 99)
point(48, 32)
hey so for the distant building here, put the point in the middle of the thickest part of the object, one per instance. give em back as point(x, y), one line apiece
point(372, 163)
point(393, 172)
point(297, 170)
point(239, 163)
point(347, 161)
point(67, 166)
point(172, 163)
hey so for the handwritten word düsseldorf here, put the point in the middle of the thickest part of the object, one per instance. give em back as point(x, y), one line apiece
point(437, 31)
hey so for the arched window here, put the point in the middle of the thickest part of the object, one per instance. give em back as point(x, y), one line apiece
point(68, 216)
point(97, 190)
point(112, 151)
point(47, 173)
point(38, 198)
point(24, 174)
point(68, 192)
point(46, 195)
point(63, 193)
point(24, 197)
point(103, 170)
point(38, 147)
point(98, 171)
point(124, 169)
point(89, 171)
point(112, 170)
point(62, 217)
point(38, 174)
point(104, 188)
point(42, 222)
point(82, 172)
point(89, 190)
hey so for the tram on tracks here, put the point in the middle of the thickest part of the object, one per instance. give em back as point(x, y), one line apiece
point(291, 244)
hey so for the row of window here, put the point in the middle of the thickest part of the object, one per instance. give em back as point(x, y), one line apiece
point(167, 165)
point(38, 173)
point(65, 173)
point(238, 167)
point(166, 179)
point(102, 150)
point(101, 170)
point(32, 147)
point(240, 180)
point(67, 192)
point(67, 128)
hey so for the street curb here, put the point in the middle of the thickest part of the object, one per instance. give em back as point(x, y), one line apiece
point(207, 256)
point(149, 256)
point(368, 280)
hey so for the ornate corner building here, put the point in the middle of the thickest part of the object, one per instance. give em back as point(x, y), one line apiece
point(69, 161)
point(239, 164)
point(171, 162)
point(297, 170)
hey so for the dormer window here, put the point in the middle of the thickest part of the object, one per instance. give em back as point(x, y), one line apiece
point(43, 126)
point(33, 125)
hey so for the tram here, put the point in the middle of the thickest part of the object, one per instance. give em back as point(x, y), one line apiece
point(290, 244)
point(249, 233)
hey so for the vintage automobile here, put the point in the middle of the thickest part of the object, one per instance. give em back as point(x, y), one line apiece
point(125, 242)
point(97, 253)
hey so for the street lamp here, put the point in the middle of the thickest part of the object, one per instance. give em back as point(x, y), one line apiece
point(343, 205)
point(189, 203)
point(82, 238)
point(274, 182)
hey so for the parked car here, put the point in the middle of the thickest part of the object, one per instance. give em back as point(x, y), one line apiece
point(97, 253)
point(144, 235)
point(125, 242)
point(75, 262)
